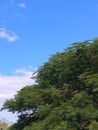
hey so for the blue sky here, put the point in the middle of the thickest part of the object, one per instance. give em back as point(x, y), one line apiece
point(32, 30)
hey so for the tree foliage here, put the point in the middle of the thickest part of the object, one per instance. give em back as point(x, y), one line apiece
point(65, 96)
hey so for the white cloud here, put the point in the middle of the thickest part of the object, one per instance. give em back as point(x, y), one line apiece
point(8, 116)
point(22, 5)
point(8, 35)
point(9, 85)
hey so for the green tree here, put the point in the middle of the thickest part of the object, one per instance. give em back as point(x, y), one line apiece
point(65, 96)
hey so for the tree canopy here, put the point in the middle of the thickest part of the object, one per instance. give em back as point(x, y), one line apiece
point(65, 95)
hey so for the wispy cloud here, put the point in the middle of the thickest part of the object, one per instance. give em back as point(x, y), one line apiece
point(9, 85)
point(22, 5)
point(8, 35)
